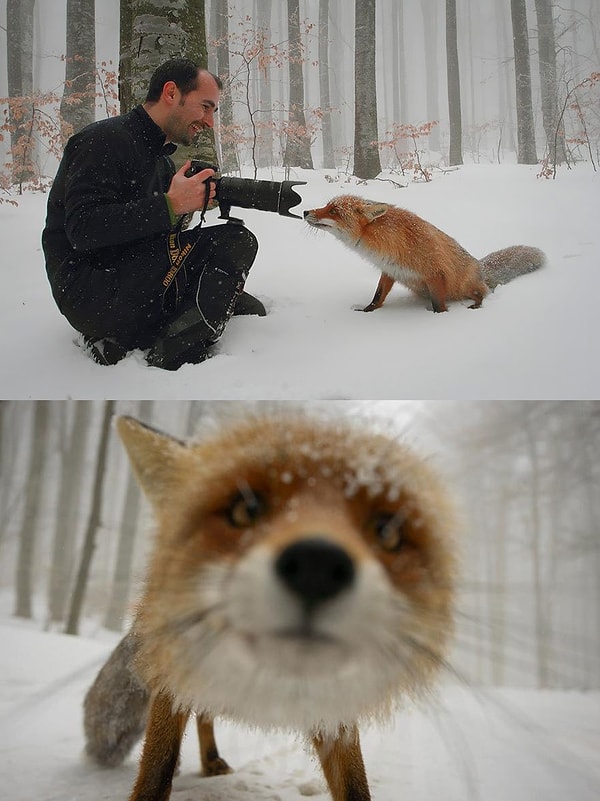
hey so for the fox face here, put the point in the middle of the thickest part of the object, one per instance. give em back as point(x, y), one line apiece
point(346, 215)
point(302, 573)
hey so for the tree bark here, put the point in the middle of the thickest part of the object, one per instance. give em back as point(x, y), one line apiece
point(526, 151)
point(366, 153)
point(454, 108)
point(78, 104)
point(297, 149)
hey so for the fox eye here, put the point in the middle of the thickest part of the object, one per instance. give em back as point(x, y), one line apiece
point(245, 509)
point(389, 529)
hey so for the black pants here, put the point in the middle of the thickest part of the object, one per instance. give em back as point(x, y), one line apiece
point(138, 291)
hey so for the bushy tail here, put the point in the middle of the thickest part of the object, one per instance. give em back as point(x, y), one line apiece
point(115, 709)
point(502, 266)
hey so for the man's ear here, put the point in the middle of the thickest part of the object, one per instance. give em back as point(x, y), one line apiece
point(169, 91)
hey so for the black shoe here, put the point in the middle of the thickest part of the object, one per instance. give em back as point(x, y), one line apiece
point(105, 351)
point(185, 340)
point(248, 304)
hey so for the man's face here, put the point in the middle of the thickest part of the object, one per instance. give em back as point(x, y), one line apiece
point(194, 112)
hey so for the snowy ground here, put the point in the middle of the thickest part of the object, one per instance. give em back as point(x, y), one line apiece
point(495, 745)
point(535, 338)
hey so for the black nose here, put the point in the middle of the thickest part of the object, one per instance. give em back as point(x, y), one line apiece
point(306, 213)
point(315, 569)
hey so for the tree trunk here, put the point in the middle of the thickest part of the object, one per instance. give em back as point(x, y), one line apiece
point(526, 152)
point(430, 26)
point(265, 155)
point(366, 153)
point(32, 502)
point(547, 64)
point(297, 149)
point(19, 63)
point(67, 512)
point(324, 93)
point(453, 73)
point(126, 101)
point(93, 524)
point(78, 104)
point(229, 158)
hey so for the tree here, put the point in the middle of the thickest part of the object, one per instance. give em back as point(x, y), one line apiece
point(93, 524)
point(73, 445)
point(229, 156)
point(297, 149)
point(78, 103)
point(324, 93)
point(159, 31)
point(547, 65)
point(453, 75)
point(430, 26)
point(526, 151)
point(19, 62)
point(32, 502)
point(366, 152)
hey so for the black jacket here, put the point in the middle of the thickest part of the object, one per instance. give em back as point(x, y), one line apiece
point(108, 193)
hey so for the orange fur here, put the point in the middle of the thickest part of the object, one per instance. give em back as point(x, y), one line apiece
point(412, 251)
point(241, 513)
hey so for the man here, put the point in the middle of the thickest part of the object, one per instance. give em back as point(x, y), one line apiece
point(121, 270)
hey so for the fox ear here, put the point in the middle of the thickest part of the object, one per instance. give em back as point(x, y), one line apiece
point(375, 210)
point(155, 458)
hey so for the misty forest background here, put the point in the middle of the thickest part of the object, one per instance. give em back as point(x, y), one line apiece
point(75, 529)
point(350, 86)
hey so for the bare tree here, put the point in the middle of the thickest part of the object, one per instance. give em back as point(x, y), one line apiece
point(229, 156)
point(366, 153)
point(430, 26)
point(78, 102)
point(549, 89)
point(93, 524)
point(526, 151)
point(324, 92)
point(29, 525)
point(19, 58)
point(453, 74)
point(297, 150)
point(73, 452)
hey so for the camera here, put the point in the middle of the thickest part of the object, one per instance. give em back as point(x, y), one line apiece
point(276, 196)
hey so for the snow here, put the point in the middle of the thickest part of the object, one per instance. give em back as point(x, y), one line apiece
point(536, 337)
point(497, 745)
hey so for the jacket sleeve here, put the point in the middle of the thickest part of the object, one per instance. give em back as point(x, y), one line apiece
point(107, 202)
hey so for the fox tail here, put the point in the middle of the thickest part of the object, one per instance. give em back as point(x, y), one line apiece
point(115, 709)
point(502, 266)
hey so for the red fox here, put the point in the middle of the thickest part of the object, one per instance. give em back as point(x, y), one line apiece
point(410, 250)
point(302, 578)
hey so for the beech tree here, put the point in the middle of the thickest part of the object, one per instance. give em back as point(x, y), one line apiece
point(366, 152)
point(297, 149)
point(78, 102)
point(453, 74)
point(526, 151)
point(19, 63)
point(548, 83)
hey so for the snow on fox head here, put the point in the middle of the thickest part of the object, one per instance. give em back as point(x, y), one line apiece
point(346, 216)
point(302, 572)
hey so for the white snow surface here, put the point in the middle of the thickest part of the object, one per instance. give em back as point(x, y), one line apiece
point(536, 337)
point(492, 745)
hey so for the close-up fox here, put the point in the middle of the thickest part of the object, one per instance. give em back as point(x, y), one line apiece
point(301, 579)
point(413, 252)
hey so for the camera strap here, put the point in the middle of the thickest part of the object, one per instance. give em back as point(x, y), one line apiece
point(177, 254)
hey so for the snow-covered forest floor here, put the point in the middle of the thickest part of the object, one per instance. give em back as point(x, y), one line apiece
point(473, 745)
point(534, 338)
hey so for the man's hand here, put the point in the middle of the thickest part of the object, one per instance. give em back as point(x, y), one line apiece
point(189, 194)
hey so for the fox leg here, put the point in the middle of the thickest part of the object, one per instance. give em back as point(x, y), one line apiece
point(161, 751)
point(437, 292)
point(342, 763)
point(381, 293)
point(212, 763)
point(477, 296)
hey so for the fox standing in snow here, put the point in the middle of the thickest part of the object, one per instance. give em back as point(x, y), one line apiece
point(302, 579)
point(410, 250)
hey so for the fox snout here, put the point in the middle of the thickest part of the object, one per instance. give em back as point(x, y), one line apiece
point(314, 571)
